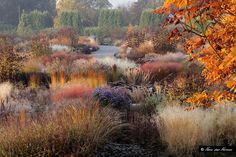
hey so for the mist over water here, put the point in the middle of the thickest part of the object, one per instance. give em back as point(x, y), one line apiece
point(117, 3)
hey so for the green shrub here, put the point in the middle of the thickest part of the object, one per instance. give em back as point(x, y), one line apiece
point(89, 31)
point(110, 24)
point(34, 21)
point(71, 19)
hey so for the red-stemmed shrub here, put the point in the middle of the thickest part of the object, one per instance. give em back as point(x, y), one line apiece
point(74, 92)
point(64, 57)
point(162, 70)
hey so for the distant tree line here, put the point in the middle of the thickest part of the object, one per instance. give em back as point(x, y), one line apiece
point(92, 17)
point(133, 13)
point(88, 9)
point(34, 21)
point(11, 10)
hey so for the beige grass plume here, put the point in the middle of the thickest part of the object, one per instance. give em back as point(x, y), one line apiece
point(5, 91)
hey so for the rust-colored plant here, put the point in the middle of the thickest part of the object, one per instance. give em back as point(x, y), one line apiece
point(134, 37)
point(10, 62)
point(146, 47)
point(186, 83)
point(73, 92)
point(161, 44)
point(74, 131)
point(89, 78)
point(40, 45)
point(212, 24)
point(60, 66)
point(162, 70)
point(66, 36)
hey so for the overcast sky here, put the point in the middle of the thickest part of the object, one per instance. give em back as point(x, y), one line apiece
point(121, 2)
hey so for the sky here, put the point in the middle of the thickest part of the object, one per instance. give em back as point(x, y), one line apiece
point(117, 3)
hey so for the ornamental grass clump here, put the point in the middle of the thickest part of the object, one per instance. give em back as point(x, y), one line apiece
point(146, 47)
point(161, 70)
point(90, 78)
point(121, 64)
point(183, 131)
point(72, 131)
point(61, 66)
point(62, 61)
point(137, 76)
point(139, 94)
point(5, 91)
point(118, 98)
point(171, 57)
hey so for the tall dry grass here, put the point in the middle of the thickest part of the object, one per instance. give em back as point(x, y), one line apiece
point(67, 68)
point(90, 78)
point(5, 91)
point(73, 131)
point(171, 57)
point(120, 63)
point(146, 47)
point(137, 77)
point(184, 131)
point(139, 94)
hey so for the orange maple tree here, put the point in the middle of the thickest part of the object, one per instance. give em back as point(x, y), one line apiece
point(213, 25)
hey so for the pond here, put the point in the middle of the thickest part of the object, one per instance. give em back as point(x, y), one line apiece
point(106, 51)
point(103, 52)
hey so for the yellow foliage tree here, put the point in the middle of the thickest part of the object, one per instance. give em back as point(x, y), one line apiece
point(213, 23)
point(65, 5)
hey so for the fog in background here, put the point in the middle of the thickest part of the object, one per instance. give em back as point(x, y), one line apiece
point(117, 3)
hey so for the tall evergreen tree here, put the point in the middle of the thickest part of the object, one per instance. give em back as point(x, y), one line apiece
point(34, 21)
point(135, 10)
point(10, 10)
point(110, 18)
point(149, 20)
point(71, 19)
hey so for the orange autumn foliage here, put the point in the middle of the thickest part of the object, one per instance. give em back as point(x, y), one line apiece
point(213, 44)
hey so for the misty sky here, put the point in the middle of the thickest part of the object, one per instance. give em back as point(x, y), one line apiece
point(121, 2)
